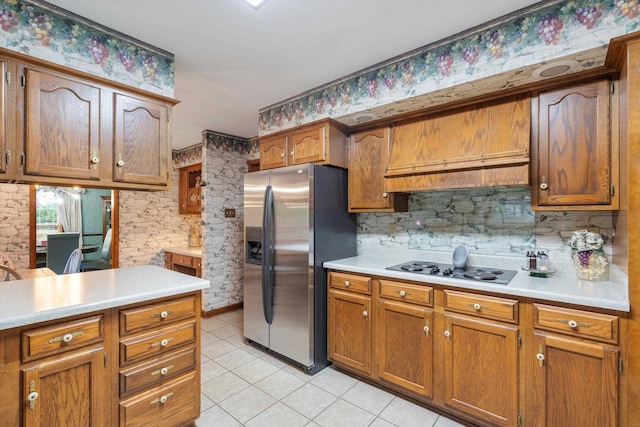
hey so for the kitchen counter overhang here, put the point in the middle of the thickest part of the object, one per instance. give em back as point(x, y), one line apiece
point(29, 301)
point(562, 287)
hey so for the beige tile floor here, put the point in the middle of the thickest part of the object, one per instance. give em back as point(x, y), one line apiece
point(244, 386)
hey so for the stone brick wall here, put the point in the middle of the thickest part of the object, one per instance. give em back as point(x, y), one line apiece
point(494, 221)
point(224, 165)
point(14, 223)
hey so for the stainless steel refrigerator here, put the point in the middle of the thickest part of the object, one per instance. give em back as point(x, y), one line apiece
point(295, 219)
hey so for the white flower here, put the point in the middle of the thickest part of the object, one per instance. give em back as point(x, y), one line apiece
point(583, 240)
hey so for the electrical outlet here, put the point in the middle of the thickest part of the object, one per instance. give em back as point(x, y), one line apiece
point(229, 213)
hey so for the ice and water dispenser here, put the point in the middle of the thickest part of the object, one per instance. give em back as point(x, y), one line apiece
point(253, 249)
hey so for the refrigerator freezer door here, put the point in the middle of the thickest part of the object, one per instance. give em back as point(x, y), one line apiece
point(292, 331)
point(255, 326)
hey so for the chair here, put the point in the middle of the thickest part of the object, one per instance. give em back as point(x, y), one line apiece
point(73, 263)
point(59, 248)
point(6, 260)
point(104, 261)
point(8, 273)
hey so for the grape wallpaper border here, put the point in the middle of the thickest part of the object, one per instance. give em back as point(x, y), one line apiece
point(542, 32)
point(45, 31)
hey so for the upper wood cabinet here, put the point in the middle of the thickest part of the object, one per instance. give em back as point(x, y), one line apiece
point(273, 152)
point(189, 185)
point(368, 157)
point(141, 152)
point(323, 142)
point(62, 126)
point(574, 155)
point(481, 145)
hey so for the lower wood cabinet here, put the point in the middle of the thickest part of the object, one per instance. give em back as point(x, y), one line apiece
point(67, 390)
point(69, 372)
point(481, 369)
point(487, 359)
point(405, 346)
point(350, 332)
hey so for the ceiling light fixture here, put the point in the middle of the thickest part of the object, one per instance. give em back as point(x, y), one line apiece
point(255, 3)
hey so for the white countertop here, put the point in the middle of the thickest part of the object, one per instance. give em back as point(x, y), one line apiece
point(197, 252)
point(29, 301)
point(562, 286)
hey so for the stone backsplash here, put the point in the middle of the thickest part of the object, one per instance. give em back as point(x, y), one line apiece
point(492, 221)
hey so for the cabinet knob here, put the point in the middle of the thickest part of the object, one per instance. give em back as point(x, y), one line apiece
point(164, 314)
point(540, 358)
point(572, 324)
point(426, 330)
point(346, 283)
point(365, 313)
point(164, 342)
point(164, 371)
point(477, 306)
point(120, 162)
point(67, 337)
point(31, 397)
point(385, 195)
point(543, 183)
point(402, 293)
point(447, 334)
point(95, 160)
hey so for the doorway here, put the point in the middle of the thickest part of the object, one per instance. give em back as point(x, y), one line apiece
point(104, 213)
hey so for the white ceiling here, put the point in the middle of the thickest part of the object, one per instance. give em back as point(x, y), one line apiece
point(232, 60)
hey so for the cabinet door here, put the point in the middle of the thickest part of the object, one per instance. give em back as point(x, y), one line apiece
point(141, 145)
point(308, 145)
point(8, 156)
point(273, 152)
point(575, 382)
point(368, 157)
point(405, 349)
point(70, 390)
point(573, 146)
point(349, 330)
point(62, 127)
point(189, 189)
point(481, 369)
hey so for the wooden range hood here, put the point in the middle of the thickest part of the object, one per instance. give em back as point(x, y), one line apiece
point(482, 145)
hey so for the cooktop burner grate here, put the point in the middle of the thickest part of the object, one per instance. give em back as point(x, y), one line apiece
point(484, 274)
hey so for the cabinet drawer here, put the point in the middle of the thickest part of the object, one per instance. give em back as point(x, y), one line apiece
point(350, 282)
point(174, 403)
point(151, 373)
point(158, 314)
point(602, 327)
point(482, 306)
point(185, 260)
point(399, 291)
point(157, 343)
point(61, 337)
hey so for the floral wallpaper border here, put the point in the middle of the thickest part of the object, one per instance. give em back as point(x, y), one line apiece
point(46, 31)
point(229, 143)
point(544, 31)
point(187, 156)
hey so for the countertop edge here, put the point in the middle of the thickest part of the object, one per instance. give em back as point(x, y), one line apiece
point(521, 286)
point(113, 290)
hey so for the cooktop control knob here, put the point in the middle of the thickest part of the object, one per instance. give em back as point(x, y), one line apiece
point(447, 272)
point(434, 270)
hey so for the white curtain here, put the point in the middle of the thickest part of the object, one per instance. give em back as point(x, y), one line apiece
point(70, 209)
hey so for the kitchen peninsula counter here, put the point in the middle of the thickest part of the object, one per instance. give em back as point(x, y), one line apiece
point(29, 301)
point(562, 286)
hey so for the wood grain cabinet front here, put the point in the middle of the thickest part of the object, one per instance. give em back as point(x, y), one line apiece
point(368, 158)
point(574, 152)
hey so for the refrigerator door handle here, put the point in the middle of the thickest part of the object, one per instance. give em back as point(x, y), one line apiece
point(268, 255)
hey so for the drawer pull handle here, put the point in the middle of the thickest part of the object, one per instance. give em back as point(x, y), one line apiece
point(346, 283)
point(479, 307)
point(573, 324)
point(162, 399)
point(162, 371)
point(162, 343)
point(66, 337)
point(163, 314)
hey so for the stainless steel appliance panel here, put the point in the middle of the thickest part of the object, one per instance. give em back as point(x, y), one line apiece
point(291, 332)
point(255, 326)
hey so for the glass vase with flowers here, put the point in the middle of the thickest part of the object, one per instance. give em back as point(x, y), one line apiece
point(589, 259)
